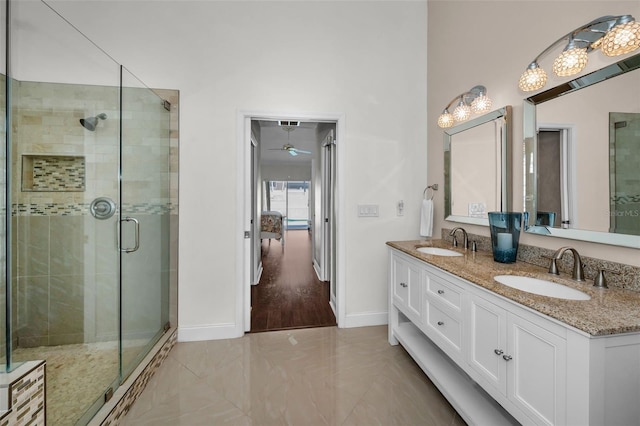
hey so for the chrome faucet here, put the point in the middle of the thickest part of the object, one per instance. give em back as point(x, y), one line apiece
point(578, 271)
point(465, 242)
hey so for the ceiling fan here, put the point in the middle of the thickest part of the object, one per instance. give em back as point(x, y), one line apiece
point(293, 151)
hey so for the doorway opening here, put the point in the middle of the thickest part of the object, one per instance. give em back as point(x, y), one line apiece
point(291, 174)
point(555, 186)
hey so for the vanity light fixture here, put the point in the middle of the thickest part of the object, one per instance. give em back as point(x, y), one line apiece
point(475, 100)
point(613, 35)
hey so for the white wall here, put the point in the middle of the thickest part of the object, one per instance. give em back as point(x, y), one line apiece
point(491, 43)
point(366, 60)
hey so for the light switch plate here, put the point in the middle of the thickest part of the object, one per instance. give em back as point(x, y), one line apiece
point(367, 210)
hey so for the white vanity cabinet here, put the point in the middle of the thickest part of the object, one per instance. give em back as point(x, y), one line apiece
point(499, 362)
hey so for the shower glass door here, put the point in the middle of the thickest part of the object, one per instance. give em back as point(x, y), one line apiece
point(87, 233)
point(3, 187)
point(64, 155)
point(144, 220)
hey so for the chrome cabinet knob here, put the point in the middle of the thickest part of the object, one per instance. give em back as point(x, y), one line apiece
point(440, 323)
point(506, 357)
point(440, 291)
point(403, 285)
point(498, 351)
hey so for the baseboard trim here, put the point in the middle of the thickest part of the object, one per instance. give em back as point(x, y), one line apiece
point(366, 319)
point(258, 275)
point(316, 269)
point(209, 332)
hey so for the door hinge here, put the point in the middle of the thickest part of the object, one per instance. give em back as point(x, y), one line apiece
point(108, 395)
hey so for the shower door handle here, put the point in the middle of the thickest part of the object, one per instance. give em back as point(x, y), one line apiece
point(137, 235)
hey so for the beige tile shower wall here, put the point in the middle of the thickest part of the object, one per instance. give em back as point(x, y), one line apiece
point(64, 276)
point(65, 263)
point(58, 255)
point(46, 121)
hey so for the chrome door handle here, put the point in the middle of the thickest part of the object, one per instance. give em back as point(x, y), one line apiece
point(137, 235)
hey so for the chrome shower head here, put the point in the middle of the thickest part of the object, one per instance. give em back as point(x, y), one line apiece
point(90, 123)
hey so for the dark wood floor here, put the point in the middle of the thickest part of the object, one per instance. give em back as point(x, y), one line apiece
point(289, 294)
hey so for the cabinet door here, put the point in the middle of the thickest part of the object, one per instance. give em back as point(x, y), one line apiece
point(536, 371)
point(406, 287)
point(400, 281)
point(488, 343)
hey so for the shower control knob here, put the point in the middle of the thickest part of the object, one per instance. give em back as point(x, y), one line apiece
point(102, 208)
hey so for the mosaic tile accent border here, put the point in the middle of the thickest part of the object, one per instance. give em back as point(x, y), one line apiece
point(27, 397)
point(124, 404)
point(626, 276)
point(54, 209)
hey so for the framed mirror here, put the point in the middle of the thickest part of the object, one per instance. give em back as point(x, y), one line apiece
point(477, 167)
point(581, 157)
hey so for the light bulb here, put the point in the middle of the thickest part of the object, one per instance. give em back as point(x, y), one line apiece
point(462, 112)
point(621, 39)
point(445, 120)
point(532, 79)
point(481, 104)
point(570, 62)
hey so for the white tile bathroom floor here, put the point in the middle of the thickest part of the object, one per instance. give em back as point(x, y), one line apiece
point(318, 376)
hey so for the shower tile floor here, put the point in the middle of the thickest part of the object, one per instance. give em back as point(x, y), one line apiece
point(76, 376)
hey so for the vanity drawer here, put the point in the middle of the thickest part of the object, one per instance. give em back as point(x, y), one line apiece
point(444, 292)
point(444, 328)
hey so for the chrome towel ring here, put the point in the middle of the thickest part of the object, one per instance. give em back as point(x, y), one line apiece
point(433, 188)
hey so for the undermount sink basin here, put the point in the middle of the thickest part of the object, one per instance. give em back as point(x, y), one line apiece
point(438, 251)
point(541, 287)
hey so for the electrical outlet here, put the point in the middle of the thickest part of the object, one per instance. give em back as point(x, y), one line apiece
point(400, 208)
point(477, 210)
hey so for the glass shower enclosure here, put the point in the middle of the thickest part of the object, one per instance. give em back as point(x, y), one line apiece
point(85, 252)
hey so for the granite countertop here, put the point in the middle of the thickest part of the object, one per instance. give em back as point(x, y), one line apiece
point(609, 311)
